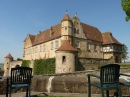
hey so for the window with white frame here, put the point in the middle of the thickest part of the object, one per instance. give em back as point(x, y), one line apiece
point(51, 45)
point(56, 44)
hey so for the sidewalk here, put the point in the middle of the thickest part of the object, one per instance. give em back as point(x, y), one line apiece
point(22, 94)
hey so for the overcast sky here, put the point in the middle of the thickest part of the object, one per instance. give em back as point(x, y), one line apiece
point(18, 18)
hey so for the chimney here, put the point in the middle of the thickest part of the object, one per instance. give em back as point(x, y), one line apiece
point(51, 32)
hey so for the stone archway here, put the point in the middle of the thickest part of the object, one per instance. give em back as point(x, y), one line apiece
point(17, 65)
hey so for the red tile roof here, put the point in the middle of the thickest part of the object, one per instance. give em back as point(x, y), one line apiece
point(9, 56)
point(109, 39)
point(66, 46)
point(92, 33)
point(32, 37)
point(45, 36)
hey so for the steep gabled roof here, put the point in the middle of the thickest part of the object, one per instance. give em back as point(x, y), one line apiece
point(9, 56)
point(66, 46)
point(32, 37)
point(66, 18)
point(92, 33)
point(109, 39)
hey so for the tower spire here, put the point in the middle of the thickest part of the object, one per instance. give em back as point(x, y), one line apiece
point(66, 17)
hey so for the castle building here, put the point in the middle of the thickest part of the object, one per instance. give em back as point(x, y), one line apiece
point(87, 39)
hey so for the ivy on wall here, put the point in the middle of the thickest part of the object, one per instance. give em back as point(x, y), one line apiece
point(44, 66)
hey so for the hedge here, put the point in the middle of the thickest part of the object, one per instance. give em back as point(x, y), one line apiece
point(26, 63)
point(44, 66)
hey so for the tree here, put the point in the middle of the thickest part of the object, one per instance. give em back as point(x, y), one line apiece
point(18, 59)
point(126, 8)
point(124, 53)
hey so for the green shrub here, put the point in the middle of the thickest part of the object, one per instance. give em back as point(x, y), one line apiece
point(44, 66)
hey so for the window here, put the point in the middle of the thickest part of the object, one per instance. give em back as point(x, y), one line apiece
point(101, 48)
point(33, 50)
point(88, 45)
point(77, 31)
point(74, 30)
point(40, 48)
point(30, 51)
point(78, 44)
point(65, 28)
point(95, 47)
point(44, 48)
point(36, 50)
point(56, 44)
point(51, 45)
point(63, 59)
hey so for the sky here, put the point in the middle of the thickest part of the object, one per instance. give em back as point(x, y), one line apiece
point(18, 18)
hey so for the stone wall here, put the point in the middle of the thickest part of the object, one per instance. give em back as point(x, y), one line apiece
point(92, 63)
point(70, 82)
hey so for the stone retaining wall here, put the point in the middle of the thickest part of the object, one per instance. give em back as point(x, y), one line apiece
point(70, 82)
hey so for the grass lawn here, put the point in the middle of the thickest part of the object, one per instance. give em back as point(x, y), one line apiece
point(125, 65)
